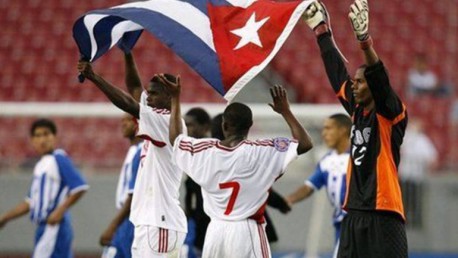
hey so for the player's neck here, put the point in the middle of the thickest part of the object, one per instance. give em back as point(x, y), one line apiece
point(343, 146)
point(233, 140)
point(369, 107)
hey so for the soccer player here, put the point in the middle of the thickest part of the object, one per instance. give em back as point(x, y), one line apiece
point(331, 169)
point(275, 200)
point(56, 186)
point(374, 226)
point(160, 222)
point(118, 236)
point(198, 123)
point(236, 174)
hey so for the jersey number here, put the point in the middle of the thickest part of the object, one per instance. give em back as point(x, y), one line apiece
point(235, 191)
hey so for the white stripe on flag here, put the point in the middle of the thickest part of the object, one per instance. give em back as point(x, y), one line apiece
point(181, 12)
point(90, 21)
point(119, 29)
point(240, 3)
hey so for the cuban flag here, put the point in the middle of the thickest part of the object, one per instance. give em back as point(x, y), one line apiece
point(227, 42)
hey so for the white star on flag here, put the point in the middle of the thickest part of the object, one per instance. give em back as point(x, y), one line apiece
point(249, 32)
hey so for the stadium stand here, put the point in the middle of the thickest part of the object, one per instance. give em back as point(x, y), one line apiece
point(38, 60)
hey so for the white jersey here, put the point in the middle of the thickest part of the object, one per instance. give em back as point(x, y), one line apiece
point(128, 174)
point(235, 181)
point(155, 201)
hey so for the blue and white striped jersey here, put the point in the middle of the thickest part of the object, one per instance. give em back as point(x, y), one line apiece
point(331, 172)
point(54, 178)
point(128, 174)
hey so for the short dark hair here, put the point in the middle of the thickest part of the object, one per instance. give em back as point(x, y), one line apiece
point(217, 129)
point(155, 81)
point(238, 116)
point(168, 76)
point(200, 115)
point(342, 120)
point(43, 122)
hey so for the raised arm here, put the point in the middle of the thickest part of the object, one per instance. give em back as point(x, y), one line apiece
point(387, 103)
point(281, 105)
point(175, 126)
point(359, 18)
point(316, 18)
point(118, 97)
point(132, 79)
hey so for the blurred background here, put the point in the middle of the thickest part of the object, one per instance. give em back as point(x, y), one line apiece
point(416, 39)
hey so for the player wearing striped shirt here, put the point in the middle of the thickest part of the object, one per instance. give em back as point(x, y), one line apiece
point(331, 170)
point(56, 186)
point(119, 235)
point(236, 174)
point(374, 226)
point(160, 222)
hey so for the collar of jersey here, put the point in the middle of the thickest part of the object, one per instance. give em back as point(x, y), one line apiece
point(220, 146)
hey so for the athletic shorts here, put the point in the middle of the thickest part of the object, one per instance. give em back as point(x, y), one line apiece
point(238, 239)
point(54, 241)
point(372, 234)
point(154, 242)
point(121, 244)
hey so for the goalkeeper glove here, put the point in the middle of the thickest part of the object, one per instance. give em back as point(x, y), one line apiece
point(315, 15)
point(359, 17)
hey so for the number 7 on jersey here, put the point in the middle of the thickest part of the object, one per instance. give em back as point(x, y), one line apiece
point(235, 191)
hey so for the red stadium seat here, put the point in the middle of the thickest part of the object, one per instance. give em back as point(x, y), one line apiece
point(39, 57)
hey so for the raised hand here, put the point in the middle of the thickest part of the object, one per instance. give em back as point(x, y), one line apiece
point(174, 88)
point(85, 68)
point(280, 99)
point(315, 14)
point(359, 18)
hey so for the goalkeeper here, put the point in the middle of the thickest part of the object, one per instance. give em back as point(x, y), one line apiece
point(374, 226)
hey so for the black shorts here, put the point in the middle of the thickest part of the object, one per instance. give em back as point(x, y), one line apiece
point(372, 234)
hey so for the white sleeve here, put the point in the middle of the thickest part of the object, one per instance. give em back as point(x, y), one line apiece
point(283, 152)
point(291, 154)
point(183, 154)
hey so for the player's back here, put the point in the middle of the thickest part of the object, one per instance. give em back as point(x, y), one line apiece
point(235, 181)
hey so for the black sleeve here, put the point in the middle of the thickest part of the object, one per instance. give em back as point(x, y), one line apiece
point(336, 71)
point(276, 201)
point(387, 103)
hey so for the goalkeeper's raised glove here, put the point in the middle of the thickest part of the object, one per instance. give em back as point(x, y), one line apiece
point(359, 17)
point(315, 14)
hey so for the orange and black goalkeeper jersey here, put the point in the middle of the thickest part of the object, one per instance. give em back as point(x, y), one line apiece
point(376, 137)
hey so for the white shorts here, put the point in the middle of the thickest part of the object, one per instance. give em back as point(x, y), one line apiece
point(154, 242)
point(236, 239)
